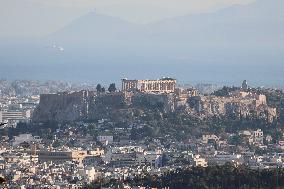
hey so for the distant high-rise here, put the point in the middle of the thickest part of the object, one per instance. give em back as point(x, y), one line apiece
point(245, 85)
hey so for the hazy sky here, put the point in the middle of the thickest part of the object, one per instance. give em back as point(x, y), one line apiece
point(40, 17)
point(244, 42)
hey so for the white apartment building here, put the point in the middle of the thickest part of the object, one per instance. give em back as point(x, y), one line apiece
point(6, 116)
point(25, 138)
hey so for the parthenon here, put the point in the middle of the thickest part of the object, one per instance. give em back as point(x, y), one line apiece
point(164, 85)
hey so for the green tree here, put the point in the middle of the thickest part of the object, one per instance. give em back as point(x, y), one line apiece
point(112, 88)
point(99, 88)
point(235, 140)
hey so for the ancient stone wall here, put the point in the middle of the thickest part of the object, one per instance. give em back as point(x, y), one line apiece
point(237, 105)
point(163, 102)
point(63, 106)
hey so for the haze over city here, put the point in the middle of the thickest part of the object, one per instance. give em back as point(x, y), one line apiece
point(200, 41)
point(142, 94)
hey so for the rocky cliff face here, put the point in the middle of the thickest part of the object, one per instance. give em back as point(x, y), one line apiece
point(84, 105)
point(163, 102)
point(106, 104)
point(63, 106)
point(238, 106)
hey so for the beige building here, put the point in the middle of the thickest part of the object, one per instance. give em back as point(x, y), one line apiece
point(164, 85)
point(199, 162)
point(14, 115)
point(206, 138)
point(62, 156)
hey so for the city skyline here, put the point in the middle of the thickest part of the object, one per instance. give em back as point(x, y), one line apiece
point(136, 94)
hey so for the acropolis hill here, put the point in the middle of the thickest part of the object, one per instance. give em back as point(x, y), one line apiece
point(162, 95)
point(239, 103)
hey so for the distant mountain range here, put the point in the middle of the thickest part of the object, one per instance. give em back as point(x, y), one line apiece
point(242, 41)
point(258, 25)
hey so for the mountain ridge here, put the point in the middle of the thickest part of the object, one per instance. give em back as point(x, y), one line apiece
point(231, 25)
point(201, 47)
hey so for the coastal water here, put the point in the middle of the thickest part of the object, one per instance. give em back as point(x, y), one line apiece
point(104, 66)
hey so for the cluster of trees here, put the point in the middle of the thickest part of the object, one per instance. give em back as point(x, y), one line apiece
point(44, 130)
point(111, 88)
point(215, 177)
point(179, 124)
point(183, 126)
point(225, 91)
